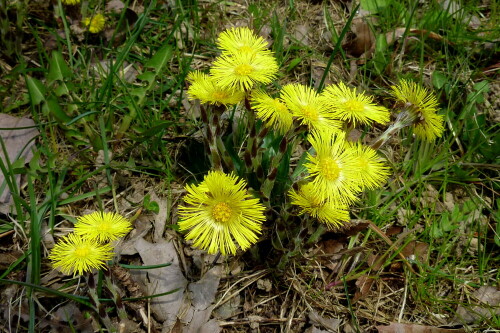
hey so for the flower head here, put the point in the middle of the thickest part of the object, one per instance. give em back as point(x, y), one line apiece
point(306, 105)
point(332, 168)
point(371, 170)
point(95, 23)
point(241, 40)
point(332, 214)
point(205, 88)
point(76, 254)
point(272, 111)
point(355, 107)
point(102, 227)
point(70, 2)
point(242, 71)
point(219, 212)
point(423, 104)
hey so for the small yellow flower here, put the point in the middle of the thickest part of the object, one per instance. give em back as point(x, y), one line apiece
point(371, 170)
point(333, 168)
point(332, 214)
point(95, 23)
point(307, 106)
point(355, 107)
point(219, 212)
point(205, 88)
point(77, 255)
point(272, 111)
point(423, 104)
point(242, 71)
point(102, 227)
point(241, 40)
point(70, 2)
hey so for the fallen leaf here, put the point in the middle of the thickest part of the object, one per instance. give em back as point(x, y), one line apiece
point(363, 284)
point(412, 328)
point(331, 324)
point(17, 137)
point(161, 217)
point(301, 34)
point(203, 292)
point(489, 297)
point(161, 280)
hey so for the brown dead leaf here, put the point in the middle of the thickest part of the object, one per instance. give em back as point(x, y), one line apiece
point(19, 143)
point(301, 34)
point(416, 250)
point(331, 324)
point(363, 284)
point(362, 39)
point(489, 299)
point(161, 280)
point(413, 328)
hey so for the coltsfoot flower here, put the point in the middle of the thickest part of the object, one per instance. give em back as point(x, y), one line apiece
point(241, 40)
point(242, 71)
point(102, 227)
point(371, 170)
point(272, 111)
point(355, 107)
point(334, 215)
point(95, 24)
point(205, 88)
point(423, 104)
point(332, 169)
point(308, 107)
point(219, 212)
point(77, 255)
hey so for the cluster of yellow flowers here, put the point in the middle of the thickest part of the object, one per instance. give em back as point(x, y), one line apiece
point(89, 246)
point(219, 209)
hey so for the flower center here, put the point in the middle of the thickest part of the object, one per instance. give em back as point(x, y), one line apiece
point(329, 168)
point(363, 163)
point(82, 251)
point(243, 70)
point(221, 212)
point(354, 106)
point(310, 112)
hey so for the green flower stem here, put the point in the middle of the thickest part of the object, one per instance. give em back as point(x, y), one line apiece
point(247, 155)
point(268, 185)
point(103, 315)
point(405, 118)
point(116, 296)
point(212, 130)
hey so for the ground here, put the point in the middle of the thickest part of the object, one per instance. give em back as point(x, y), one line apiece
point(103, 123)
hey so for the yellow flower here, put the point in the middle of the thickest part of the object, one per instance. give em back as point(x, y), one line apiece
point(241, 40)
point(76, 254)
point(242, 71)
point(308, 107)
point(372, 171)
point(423, 104)
point(332, 214)
point(348, 105)
point(70, 2)
point(206, 89)
point(102, 227)
point(333, 168)
point(219, 212)
point(95, 23)
point(272, 111)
